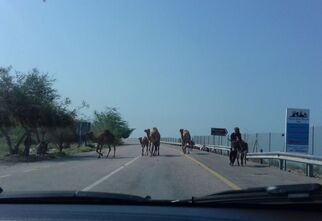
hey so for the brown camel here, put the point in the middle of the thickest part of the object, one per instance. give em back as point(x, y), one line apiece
point(144, 143)
point(147, 131)
point(185, 140)
point(154, 139)
point(104, 138)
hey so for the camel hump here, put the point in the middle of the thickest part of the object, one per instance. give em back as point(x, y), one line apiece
point(154, 134)
point(154, 130)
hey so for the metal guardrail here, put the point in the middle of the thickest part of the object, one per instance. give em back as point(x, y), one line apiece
point(282, 157)
point(308, 160)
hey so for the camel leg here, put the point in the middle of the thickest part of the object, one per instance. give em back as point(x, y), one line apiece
point(99, 151)
point(114, 151)
point(182, 147)
point(158, 149)
point(238, 154)
point(232, 156)
point(188, 148)
point(237, 159)
point(147, 150)
point(109, 150)
point(151, 150)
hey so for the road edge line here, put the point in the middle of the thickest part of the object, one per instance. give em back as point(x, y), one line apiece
point(214, 173)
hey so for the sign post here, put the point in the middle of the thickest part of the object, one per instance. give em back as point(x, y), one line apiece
point(82, 128)
point(297, 130)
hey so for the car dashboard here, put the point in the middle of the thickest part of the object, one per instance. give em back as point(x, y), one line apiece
point(130, 212)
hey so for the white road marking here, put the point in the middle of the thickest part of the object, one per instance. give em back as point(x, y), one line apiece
point(29, 170)
point(3, 176)
point(109, 175)
point(128, 163)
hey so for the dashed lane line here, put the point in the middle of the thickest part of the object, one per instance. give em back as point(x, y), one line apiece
point(3, 176)
point(109, 175)
point(29, 170)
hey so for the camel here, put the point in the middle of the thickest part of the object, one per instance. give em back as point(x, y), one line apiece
point(242, 152)
point(185, 140)
point(144, 143)
point(154, 139)
point(147, 131)
point(104, 138)
point(238, 151)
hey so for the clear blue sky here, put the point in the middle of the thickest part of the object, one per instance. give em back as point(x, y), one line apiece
point(174, 64)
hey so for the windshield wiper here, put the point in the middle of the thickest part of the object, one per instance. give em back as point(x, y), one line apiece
point(298, 193)
point(72, 197)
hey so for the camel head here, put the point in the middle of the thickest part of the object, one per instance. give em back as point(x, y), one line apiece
point(147, 131)
point(91, 136)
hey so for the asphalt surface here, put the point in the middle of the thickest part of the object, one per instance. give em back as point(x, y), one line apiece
point(171, 175)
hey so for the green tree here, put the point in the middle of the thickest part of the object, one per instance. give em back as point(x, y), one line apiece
point(112, 120)
point(8, 88)
point(62, 129)
point(30, 102)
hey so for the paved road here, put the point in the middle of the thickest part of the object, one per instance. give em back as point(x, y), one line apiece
point(169, 176)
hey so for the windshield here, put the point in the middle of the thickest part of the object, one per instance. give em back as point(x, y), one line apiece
point(167, 99)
